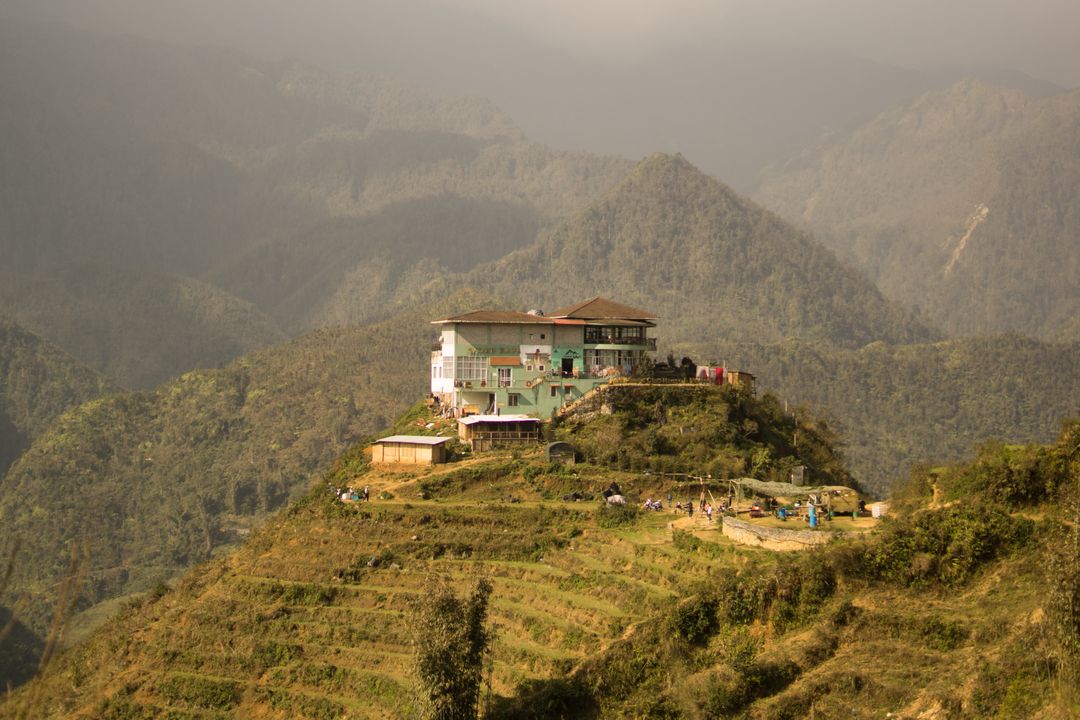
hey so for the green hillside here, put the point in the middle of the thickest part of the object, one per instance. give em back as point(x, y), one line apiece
point(947, 609)
point(710, 263)
point(38, 382)
point(962, 203)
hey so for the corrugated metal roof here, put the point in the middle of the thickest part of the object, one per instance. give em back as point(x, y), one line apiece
point(602, 308)
point(413, 440)
point(473, 419)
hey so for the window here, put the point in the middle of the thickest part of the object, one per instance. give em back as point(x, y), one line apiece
point(513, 399)
point(554, 391)
point(543, 336)
point(528, 367)
point(448, 368)
point(504, 377)
point(540, 368)
point(467, 367)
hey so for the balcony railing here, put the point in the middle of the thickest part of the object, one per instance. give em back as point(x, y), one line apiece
point(507, 435)
point(648, 343)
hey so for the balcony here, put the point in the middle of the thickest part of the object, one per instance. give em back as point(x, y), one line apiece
point(596, 339)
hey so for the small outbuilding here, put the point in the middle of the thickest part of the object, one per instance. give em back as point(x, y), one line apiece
point(486, 432)
point(562, 453)
point(742, 379)
point(409, 450)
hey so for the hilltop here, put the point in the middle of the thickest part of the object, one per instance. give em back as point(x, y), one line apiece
point(606, 613)
point(962, 202)
point(711, 263)
point(704, 428)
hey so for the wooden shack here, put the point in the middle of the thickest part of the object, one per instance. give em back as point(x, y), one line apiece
point(409, 450)
point(486, 432)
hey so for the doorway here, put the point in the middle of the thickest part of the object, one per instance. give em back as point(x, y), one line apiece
point(568, 367)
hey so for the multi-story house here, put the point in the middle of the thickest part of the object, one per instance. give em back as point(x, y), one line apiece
point(505, 362)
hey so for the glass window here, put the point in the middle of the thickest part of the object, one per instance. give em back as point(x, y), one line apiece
point(513, 399)
point(470, 368)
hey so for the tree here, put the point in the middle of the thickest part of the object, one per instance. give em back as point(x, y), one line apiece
point(450, 641)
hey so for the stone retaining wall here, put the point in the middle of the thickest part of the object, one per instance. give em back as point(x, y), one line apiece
point(769, 538)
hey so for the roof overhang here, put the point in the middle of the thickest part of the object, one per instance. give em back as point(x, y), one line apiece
point(474, 419)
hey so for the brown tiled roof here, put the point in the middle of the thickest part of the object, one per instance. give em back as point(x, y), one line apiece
point(496, 316)
point(602, 308)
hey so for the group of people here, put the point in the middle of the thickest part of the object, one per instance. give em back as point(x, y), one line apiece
point(350, 495)
point(704, 507)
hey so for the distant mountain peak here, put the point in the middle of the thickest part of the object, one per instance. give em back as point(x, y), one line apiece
point(708, 261)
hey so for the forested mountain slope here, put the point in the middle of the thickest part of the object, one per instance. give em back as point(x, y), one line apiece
point(137, 327)
point(709, 262)
point(38, 382)
point(964, 203)
point(898, 405)
point(155, 480)
point(289, 187)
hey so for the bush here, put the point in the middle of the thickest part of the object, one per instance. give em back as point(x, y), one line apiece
point(616, 516)
point(200, 692)
point(272, 654)
point(940, 546)
point(694, 620)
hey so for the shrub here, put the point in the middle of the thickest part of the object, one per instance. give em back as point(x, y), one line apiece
point(944, 546)
point(616, 516)
point(694, 620)
point(939, 634)
point(200, 692)
point(272, 654)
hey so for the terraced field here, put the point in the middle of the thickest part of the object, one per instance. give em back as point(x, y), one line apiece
point(947, 612)
point(310, 619)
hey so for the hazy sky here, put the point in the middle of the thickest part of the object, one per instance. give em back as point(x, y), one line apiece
point(1038, 37)
point(735, 85)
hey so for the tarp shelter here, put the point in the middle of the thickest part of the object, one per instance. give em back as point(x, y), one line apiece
point(485, 432)
point(837, 497)
point(409, 450)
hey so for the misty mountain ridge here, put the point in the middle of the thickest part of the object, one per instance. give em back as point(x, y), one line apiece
point(137, 157)
point(965, 203)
